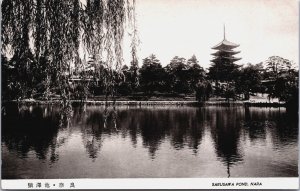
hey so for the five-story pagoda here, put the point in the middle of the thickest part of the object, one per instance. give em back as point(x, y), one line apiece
point(223, 65)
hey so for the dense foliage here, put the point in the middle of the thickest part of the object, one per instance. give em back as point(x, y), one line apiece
point(44, 37)
point(180, 77)
point(41, 41)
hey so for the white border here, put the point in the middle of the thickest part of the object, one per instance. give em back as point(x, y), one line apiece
point(155, 183)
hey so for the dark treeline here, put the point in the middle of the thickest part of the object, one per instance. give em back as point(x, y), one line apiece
point(45, 63)
point(275, 77)
point(181, 77)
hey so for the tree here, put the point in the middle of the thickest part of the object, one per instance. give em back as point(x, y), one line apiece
point(276, 65)
point(10, 86)
point(283, 80)
point(151, 74)
point(133, 78)
point(134, 65)
point(55, 29)
point(124, 87)
point(226, 71)
point(223, 71)
point(24, 67)
point(195, 72)
point(178, 75)
point(230, 92)
point(192, 61)
point(203, 91)
point(286, 86)
point(249, 80)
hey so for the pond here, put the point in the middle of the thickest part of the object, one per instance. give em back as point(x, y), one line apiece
point(148, 141)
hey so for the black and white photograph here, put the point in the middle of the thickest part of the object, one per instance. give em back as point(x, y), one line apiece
point(149, 90)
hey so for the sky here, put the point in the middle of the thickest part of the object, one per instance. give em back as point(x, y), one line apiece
point(262, 28)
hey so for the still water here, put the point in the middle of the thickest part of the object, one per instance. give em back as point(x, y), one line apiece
point(166, 141)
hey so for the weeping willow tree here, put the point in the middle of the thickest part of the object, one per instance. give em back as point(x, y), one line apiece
point(45, 36)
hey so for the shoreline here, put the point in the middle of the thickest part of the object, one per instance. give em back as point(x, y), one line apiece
point(156, 102)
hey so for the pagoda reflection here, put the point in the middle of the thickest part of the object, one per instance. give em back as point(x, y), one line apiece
point(226, 130)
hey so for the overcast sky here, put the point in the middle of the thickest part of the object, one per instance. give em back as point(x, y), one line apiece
point(263, 28)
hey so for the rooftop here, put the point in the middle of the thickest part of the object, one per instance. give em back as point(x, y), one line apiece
point(216, 59)
point(225, 52)
point(225, 44)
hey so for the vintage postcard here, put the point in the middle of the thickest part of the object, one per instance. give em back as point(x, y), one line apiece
point(149, 94)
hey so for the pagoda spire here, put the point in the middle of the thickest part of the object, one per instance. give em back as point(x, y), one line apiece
point(225, 44)
point(224, 33)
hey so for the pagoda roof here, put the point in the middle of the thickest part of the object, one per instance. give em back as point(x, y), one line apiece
point(224, 57)
point(225, 45)
point(229, 52)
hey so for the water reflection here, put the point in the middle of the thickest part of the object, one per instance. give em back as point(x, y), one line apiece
point(93, 124)
point(33, 128)
point(162, 131)
point(225, 129)
point(283, 126)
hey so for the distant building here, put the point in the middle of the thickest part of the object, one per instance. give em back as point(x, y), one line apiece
point(225, 52)
point(223, 65)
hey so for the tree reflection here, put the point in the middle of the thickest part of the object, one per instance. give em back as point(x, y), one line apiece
point(97, 123)
point(153, 130)
point(129, 122)
point(183, 127)
point(92, 133)
point(255, 123)
point(66, 112)
point(179, 124)
point(196, 125)
point(282, 126)
point(186, 127)
point(225, 129)
point(26, 129)
point(42, 130)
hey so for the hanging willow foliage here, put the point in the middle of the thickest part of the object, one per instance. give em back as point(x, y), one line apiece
point(134, 44)
point(49, 33)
